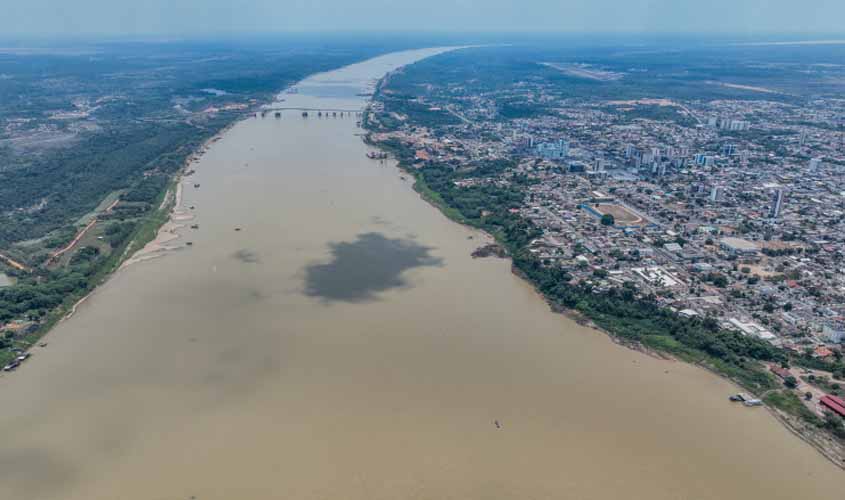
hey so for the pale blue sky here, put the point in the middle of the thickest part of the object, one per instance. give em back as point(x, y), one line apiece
point(197, 17)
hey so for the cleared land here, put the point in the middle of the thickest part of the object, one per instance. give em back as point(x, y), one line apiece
point(621, 214)
point(587, 72)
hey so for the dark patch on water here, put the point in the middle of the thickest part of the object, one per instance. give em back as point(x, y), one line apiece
point(247, 256)
point(360, 269)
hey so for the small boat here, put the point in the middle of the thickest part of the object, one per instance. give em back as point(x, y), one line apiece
point(237, 229)
point(11, 366)
point(278, 114)
point(196, 185)
point(305, 114)
point(195, 226)
point(752, 402)
point(189, 243)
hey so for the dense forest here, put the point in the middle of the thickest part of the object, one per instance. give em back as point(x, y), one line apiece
point(688, 71)
point(81, 127)
point(108, 126)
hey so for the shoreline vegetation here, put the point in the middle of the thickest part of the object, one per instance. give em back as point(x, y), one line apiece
point(122, 237)
point(106, 196)
point(149, 238)
point(626, 319)
point(142, 244)
point(52, 291)
point(153, 230)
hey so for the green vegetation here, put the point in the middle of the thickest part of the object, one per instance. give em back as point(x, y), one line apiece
point(88, 131)
point(45, 296)
point(652, 112)
point(495, 85)
point(790, 403)
point(692, 72)
point(620, 312)
point(836, 388)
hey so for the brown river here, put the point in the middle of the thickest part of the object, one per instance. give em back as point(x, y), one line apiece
point(343, 344)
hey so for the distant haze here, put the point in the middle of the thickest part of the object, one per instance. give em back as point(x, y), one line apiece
point(197, 17)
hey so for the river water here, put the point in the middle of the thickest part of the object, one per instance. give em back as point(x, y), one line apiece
point(344, 344)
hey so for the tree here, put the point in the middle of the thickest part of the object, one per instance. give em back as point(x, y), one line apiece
point(790, 382)
point(607, 220)
point(834, 424)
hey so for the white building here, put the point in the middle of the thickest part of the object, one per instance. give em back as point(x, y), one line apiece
point(751, 329)
point(777, 204)
point(553, 150)
point(834, 332)
point(738, 246)
point(716, 193)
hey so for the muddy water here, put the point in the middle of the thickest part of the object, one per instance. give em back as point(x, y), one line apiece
point(344, 344)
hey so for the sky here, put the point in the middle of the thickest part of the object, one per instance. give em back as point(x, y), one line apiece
point(202, 17)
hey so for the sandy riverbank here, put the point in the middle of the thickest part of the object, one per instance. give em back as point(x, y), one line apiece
point(178, 216)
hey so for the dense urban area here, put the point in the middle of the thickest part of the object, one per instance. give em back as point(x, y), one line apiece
point(688, 202)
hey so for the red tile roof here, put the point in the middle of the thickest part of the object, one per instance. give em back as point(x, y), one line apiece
point(835, 404)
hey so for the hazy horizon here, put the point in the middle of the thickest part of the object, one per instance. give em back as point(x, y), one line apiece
point(206, 17)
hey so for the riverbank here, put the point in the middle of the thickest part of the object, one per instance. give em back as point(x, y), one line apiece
point(347, 308)
point(153, 244)
point(147, 241)
point(749, 376)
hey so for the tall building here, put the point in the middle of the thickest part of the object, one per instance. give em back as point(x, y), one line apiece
point(815, 163)
point(729, 149)
point(734, 125)
point(777, 204)
point(703, 160)
point(553, 150)
point(740, 125)
point(716, 193)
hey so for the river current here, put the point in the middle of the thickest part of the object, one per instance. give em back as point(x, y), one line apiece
point(327, 335)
